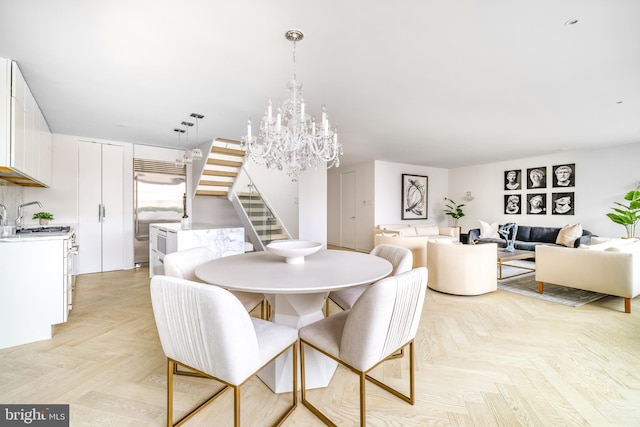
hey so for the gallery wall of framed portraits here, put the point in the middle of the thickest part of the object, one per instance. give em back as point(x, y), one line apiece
point(540, 190)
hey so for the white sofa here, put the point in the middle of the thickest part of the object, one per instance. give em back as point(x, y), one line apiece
point(429, 230)
point(608, 267)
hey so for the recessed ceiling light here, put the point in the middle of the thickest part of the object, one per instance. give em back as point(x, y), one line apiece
point(618, 102)
point(572, 21)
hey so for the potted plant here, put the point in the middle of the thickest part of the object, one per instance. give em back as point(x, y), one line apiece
point(627, 215)
point(454, 211)
point(43, 217)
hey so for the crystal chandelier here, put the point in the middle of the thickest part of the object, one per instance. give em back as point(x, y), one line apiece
point(292, 139)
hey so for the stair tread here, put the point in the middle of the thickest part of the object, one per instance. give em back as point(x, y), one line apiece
point(216, 183)
point(211, 193)
point(220, 162)
point(227, 151)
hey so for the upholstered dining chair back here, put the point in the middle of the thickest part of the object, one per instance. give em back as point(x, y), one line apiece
point(384, 319)
point(182, 264)
point(206, 329)
point(400, 258)
point(462, 269)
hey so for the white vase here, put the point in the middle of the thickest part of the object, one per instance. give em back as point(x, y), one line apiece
point(43, 221)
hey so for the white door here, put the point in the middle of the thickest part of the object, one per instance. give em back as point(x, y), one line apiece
point(100, 207)
point(348, 210)
point(89, 204)
point(113, 207)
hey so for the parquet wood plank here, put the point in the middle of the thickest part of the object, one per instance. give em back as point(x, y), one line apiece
point(495, 359)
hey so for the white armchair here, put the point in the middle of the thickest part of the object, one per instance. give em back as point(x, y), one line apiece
point(182, 264)
point(401, 259)
point(206, 329)
point(383, 320)
point(462, 269)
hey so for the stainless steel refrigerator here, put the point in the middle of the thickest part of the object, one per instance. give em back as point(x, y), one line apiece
point(159, 188)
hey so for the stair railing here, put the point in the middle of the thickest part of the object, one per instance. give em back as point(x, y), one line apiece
point(255, 212)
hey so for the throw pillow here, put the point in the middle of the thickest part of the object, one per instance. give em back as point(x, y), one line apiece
point(568, 235)
point(408, 231)
point(489, 231)
point(427, 230)
point(449, 231)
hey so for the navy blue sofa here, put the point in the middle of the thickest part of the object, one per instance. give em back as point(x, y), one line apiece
point(527, 237)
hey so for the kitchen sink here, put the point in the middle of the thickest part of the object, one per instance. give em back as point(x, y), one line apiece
point(58, 229)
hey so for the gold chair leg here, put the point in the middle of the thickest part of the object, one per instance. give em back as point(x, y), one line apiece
point(326, 308)
point(171, 365)
point(236, 406)
point(363, 406)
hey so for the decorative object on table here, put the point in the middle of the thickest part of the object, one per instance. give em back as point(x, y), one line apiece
point(564, 175)
point(537, 178)
point(43, 217)
point(563, 203)
point(627, 215)
point(508, 233)
point(454, 210)
point(512, 204)
point(292, 140)
point(537, 204)
point(414, 196)
point(293, 251)
point(184, 221)
point(513, 179)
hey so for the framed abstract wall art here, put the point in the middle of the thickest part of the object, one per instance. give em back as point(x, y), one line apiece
point(414, 196)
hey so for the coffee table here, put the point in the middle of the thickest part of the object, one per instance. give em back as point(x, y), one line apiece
point(504, 256)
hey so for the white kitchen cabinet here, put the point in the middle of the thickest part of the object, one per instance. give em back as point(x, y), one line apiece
point(170, 237)
point(100, 207)
point(25, 138)
point(35, 288)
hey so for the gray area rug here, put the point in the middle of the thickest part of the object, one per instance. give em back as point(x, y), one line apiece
point(527, 285)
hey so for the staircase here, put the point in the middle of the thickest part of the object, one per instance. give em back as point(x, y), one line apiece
point(221, 168)
point(223, 175)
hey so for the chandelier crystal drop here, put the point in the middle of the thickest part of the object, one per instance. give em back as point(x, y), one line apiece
point(291, 139)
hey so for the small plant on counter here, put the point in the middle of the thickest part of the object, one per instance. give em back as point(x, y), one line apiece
point(43, 215)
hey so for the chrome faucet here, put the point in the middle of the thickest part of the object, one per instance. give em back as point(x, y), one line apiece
point(3, 215)
point(19, 217)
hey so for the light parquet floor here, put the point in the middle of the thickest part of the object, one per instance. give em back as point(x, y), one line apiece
point(500, 359)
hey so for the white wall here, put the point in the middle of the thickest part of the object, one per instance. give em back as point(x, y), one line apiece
point(388, 192)
point(603, 176)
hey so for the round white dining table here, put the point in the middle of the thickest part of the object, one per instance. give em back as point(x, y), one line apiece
point(297, 294)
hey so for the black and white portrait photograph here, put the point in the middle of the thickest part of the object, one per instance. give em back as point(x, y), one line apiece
point(512, 204)
point(537, 178)
point(414, 196)
point(513, 179)
point(537, 204)
point(563, 203)
point(564, 175)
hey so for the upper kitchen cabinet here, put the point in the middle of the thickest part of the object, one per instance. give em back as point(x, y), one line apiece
point(25, 138)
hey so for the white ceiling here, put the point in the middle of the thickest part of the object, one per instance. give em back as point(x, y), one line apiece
point(443, 83)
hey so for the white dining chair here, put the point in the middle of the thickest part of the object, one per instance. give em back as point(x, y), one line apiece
point(182, 264)
point(382, 321)
point(400, 258)
point(206, 329)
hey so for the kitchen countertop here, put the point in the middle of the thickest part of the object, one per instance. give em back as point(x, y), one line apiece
point(176, 226)
point(28, 237)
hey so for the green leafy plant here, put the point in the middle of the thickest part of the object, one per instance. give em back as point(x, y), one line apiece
point(627, 215)
point(453, 210)
point(43, 215)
